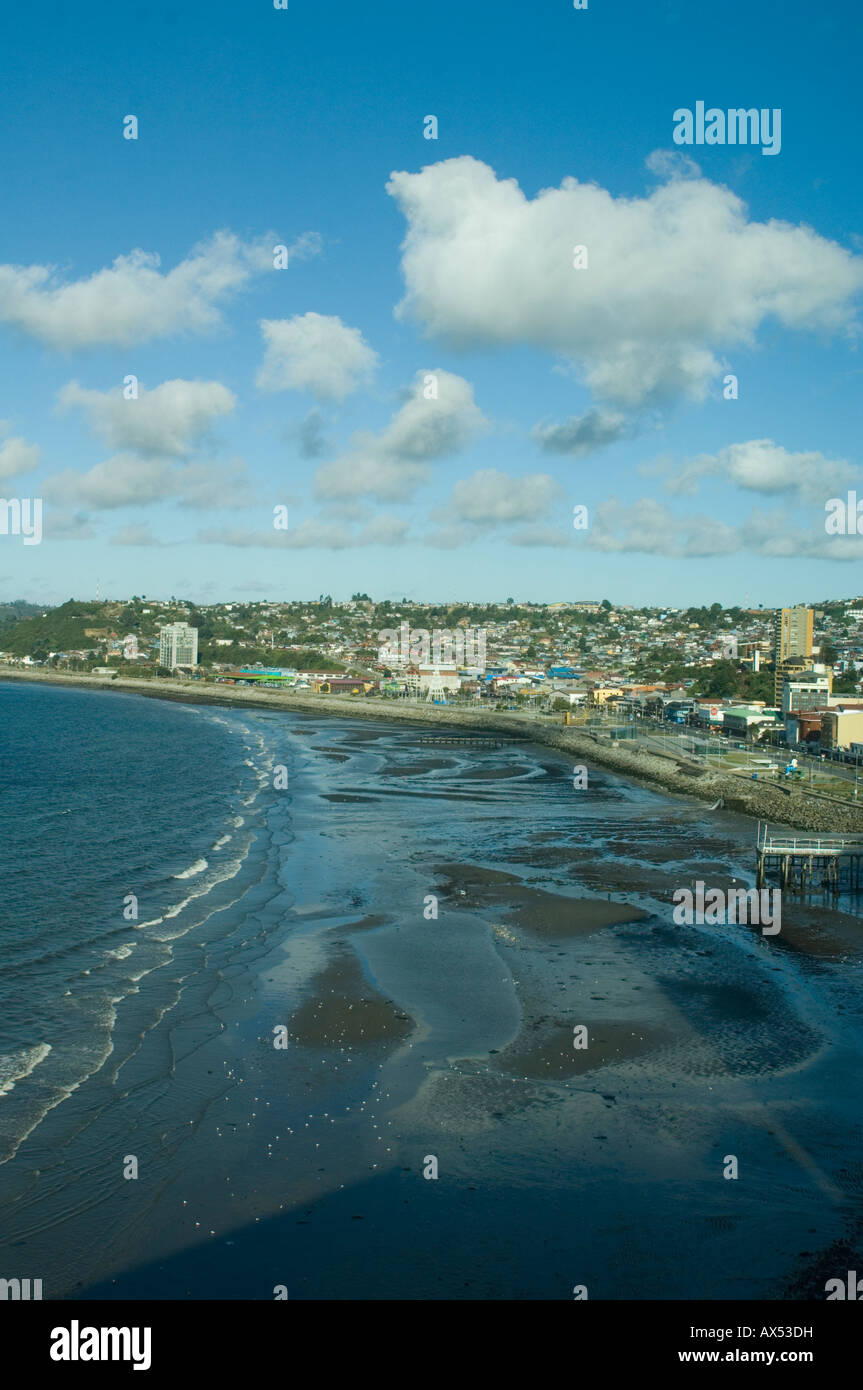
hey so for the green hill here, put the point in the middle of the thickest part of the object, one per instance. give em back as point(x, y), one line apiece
point(59, 630)
point(11, 613)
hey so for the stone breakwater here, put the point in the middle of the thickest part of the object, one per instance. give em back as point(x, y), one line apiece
point(679, 775)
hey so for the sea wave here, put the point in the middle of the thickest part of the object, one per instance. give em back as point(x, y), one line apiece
point(121, 952)
point(193, 870)
point(228, 869)
point(14, 1066)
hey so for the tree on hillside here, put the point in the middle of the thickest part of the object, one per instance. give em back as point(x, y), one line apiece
point(828, 653)
point(847, 683)
point(721, 680)
point(758, 685)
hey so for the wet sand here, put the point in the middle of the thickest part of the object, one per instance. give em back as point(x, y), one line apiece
point(417, 769)
point(431, 1001)
point(531, 909)
point(546, 1048)
point(344, 1010)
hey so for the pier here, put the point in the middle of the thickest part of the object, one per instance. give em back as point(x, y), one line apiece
point(462, 741)
point(807, 861)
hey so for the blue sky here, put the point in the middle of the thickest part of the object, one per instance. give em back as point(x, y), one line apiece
point(601, 386)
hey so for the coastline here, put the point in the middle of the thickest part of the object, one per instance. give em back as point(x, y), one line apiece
point(449, 1035)
point(672, 774)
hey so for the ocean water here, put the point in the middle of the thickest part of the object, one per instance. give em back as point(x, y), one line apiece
point(99, 802)
point(427, 924)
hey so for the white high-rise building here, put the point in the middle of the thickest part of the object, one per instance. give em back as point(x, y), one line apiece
point(178, 645)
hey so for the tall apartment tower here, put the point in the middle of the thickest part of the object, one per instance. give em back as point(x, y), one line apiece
point(178, 645)
point(792, 645)
point(792, 633)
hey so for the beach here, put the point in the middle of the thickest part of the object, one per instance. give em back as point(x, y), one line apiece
point(425, 934)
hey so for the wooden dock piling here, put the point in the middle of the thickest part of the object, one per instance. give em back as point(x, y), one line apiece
point(801, 859)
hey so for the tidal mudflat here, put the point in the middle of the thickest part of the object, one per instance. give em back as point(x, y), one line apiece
point(465, 960)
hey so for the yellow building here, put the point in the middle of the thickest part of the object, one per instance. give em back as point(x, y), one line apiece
point(601, 694)
point(792, 645)
point(792, 633)
point(840, 727)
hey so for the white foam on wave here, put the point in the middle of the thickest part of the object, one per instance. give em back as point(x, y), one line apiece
point(193, 870)
point(63, 1091)
point(229, 869)
point(122, 952)
point(222, 840)
point(14, 1066)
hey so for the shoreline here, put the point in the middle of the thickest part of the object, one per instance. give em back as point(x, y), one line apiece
point(450, 1036)
point(675, 775)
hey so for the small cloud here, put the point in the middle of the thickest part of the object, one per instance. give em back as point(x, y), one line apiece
point(313, 534)
point(127, 480)
point(544, 536)
point(581, 435)
point(66, 524)
point(136, 535)
point(649, 528)
point(132, 301)
point(450, 537)
point(16, 457)
point(316, 353)
point(490, 497)
point(393, 464)
point(309, 435)
point(672, 164)
point(760, 465)
point(171, 420)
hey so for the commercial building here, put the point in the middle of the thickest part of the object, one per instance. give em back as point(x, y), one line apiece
point(602, 694)
point(805, 692)
point(708, 713)
point(439, 677)
point(804, 727)
point(740, 719)
point(178, 646)
point(346, 685)
point(841, 726)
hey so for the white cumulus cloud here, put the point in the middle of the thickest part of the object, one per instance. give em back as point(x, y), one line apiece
point(316, 353)
point(133, 301)
point(391, 465)
point(760, 465)
point(673, 278)
point(490, 497)
point(127, 480)
point(172, 419)
point(17, 456)
point(648, 527)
